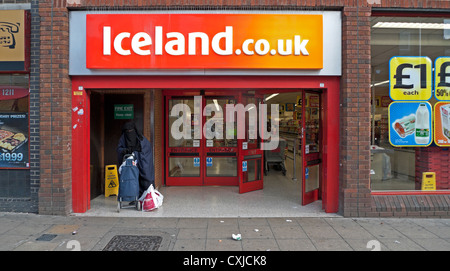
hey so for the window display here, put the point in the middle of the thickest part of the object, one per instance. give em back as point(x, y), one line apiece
point(410, 84)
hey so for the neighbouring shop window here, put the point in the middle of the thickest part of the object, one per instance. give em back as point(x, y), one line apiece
point(14, 121)
point(410, 90)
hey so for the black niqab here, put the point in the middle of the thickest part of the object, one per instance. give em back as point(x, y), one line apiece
point(132, 137)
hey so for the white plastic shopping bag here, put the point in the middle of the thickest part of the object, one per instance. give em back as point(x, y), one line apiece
point(151, 199)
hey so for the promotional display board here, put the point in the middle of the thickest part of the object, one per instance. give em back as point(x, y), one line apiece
point(13, 140)
point(410, 124)
point(442, 124)
point(442, 78)
point(410, 78)
point(14, 127)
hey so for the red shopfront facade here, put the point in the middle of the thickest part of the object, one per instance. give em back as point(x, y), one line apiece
point(161, 59)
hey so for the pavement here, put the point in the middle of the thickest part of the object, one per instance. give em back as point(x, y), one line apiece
point(32, 232)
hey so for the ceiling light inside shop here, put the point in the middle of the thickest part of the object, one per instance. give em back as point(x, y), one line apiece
point(412, 25)
point(271, 96)
point(380, 83)
point(217, 105)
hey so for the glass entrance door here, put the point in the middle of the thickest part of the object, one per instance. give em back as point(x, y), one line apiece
point(183, 154)
point(205, 158)
point(251, 157)
point(220, 152)
point(311, 146)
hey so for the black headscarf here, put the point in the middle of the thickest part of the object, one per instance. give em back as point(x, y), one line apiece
point(132, 137)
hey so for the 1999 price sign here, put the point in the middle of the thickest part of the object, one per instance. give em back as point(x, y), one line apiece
point(11, 157)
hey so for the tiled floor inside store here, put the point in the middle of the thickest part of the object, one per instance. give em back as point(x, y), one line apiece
point(281, 197)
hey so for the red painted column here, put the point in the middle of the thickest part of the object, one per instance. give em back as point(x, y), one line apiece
point(80, 149)
point(331, 150)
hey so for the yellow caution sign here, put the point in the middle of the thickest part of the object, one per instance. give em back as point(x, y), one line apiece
point(428, 181)
point(111, 181)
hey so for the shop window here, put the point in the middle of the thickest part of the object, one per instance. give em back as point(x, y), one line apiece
point(410, 135)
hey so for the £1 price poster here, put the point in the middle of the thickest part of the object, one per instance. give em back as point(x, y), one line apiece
point(442, 78)
point(410, 78)
point(410, 124)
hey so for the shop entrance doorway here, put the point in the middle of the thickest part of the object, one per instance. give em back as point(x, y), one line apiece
point(85, 116)
point(206, 151)
point(110, 111)
point(301, 116)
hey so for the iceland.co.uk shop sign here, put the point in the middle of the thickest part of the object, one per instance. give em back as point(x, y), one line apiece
point(204, 41)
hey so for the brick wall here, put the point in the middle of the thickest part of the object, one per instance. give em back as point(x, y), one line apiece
point(268, 4)
point(411, 205)
point(355, 115)
point(55, 194)
point(355, 196)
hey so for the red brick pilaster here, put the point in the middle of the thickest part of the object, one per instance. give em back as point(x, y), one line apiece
point(355, 114)
point(55, 97)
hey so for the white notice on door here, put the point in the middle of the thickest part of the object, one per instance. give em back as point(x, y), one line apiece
point(244, 145)
point(209, 143)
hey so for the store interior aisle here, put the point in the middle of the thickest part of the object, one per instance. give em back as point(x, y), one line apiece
point(281, 197)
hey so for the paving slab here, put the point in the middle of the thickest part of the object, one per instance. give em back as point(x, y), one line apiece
point(303, 244)
point(401, 244)
point(223, 244)
point(331, 244)
point(192, 223)
point(433, 244)
point(259, 245)
point(256, 232)
point(190, 245)
point(348, 228)
point(36, 246)
point(289, 232)
point(191, 234)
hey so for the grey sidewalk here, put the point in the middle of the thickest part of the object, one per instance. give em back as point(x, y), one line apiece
point(31, 232)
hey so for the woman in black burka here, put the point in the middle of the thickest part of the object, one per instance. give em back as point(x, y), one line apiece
point(133, 141)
